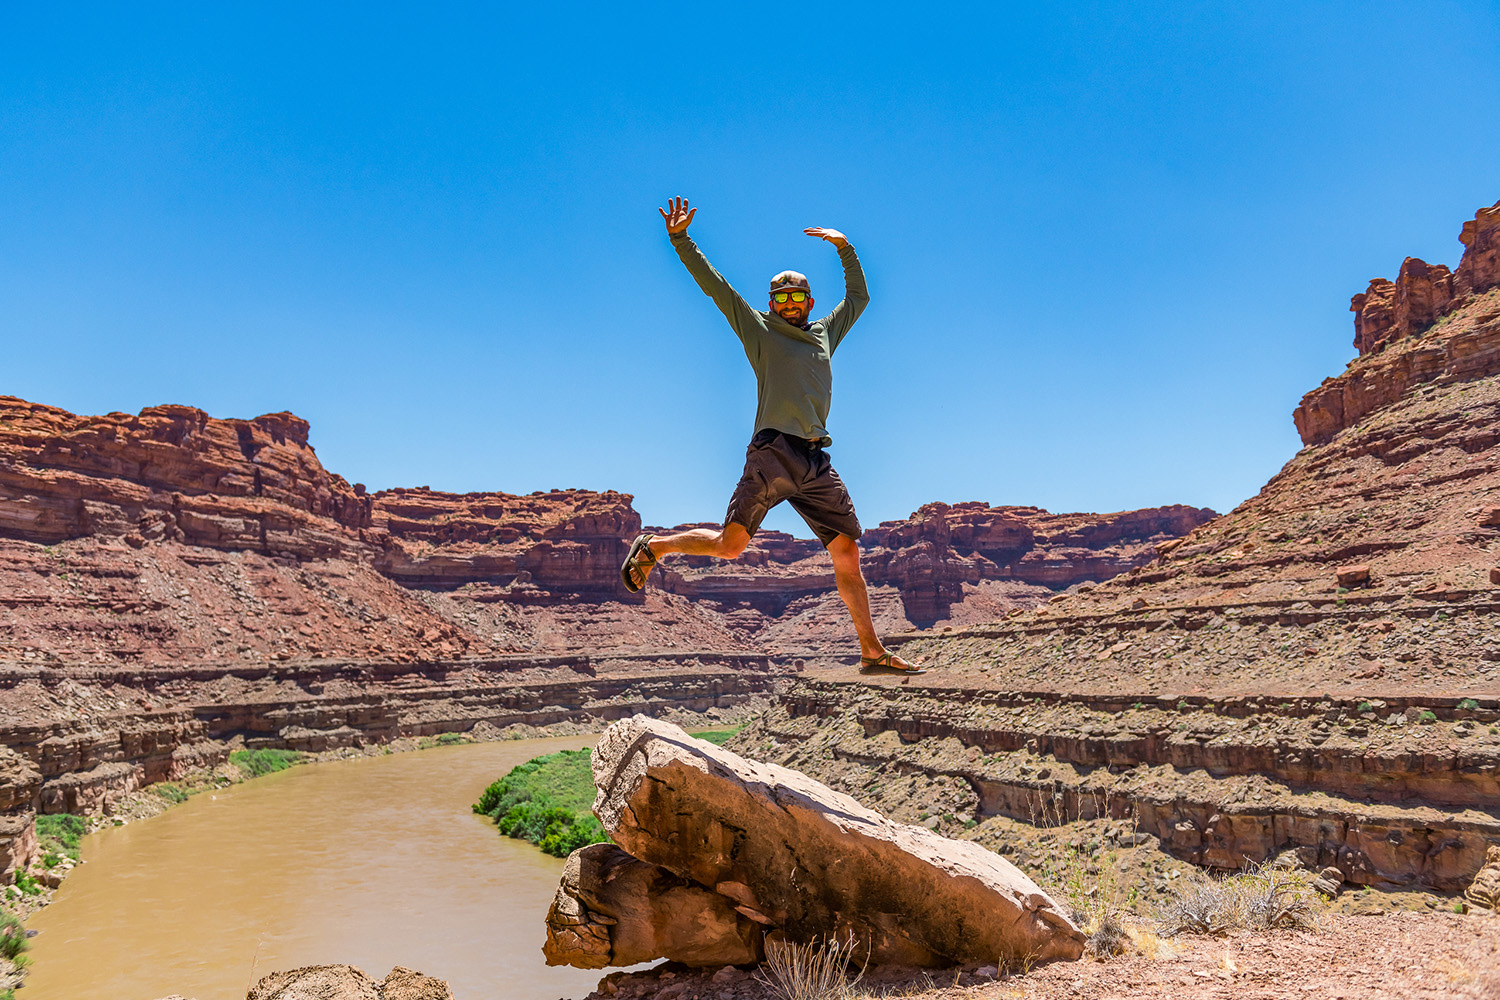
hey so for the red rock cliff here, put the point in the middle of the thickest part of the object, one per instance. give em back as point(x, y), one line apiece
point(172, 472)
point(1429, 324)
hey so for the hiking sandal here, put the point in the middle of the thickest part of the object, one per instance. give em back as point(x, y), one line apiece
point(638, 562)
point(887, 661)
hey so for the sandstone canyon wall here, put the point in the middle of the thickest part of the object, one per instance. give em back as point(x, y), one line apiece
point(173, 585)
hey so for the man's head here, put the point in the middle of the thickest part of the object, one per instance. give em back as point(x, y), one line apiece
point(791, 299)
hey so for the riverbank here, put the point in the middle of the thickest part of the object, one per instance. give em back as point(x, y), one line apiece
point(35, 886)
point(371, 861)
point(236, 767)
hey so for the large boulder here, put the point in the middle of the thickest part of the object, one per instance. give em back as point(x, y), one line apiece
point(794, 855)
point(612, 909)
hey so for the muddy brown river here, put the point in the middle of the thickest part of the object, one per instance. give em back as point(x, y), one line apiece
point(374, 862)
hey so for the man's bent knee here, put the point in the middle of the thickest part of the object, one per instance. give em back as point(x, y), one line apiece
point(844, 549)
point(733, 540)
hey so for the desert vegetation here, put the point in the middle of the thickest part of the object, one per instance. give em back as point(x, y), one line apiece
point(58, 835)
point(548, 800)
point(258, 762)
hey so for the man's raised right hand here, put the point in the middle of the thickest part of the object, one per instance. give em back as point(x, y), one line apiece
point(677, 215)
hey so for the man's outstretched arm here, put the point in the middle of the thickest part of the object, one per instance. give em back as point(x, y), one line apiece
point(856, 294)
point(678, 216)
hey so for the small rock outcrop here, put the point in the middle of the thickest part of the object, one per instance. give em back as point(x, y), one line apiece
point(1485, 889)
point(796, 857)
point(345, 982)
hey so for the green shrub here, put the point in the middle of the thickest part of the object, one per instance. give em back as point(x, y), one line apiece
point(1364, 707)
point(12, 936)
point(564, 779)
point(716, 736)
point(546, 801)
point(1468, 705)
point(26, 884)
point(1427, 717)
point(170, 792)
point(59, 833)
point(564, 840)
point(258, 762)
point(448, 739)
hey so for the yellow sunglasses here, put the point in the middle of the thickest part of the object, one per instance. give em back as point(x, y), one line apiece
point(781, 297)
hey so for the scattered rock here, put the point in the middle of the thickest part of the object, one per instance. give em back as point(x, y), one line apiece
point(344, 982)
point(1353, 576)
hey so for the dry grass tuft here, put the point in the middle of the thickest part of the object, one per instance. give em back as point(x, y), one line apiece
point(1455, 971)
point(812, 971)
point(1260, 898)
point(1148, 943)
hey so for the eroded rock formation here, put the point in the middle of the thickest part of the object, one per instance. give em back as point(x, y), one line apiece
point(1485, 889)
point(943, 554)
point(794, 856)
point(1391, 314)
point(612, 909)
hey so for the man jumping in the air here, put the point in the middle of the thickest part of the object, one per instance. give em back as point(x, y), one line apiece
point(785, 460)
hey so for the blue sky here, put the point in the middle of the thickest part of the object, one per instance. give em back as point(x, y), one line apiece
point(1109, 245)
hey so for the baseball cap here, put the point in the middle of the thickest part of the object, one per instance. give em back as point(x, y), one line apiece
point(789, 279)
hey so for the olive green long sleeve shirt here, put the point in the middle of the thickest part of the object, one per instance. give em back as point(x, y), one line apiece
point(793, 373)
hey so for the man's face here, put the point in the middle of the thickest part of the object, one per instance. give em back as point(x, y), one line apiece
point(792, 305)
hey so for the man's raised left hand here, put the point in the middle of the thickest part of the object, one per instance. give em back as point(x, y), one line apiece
point(833, 236)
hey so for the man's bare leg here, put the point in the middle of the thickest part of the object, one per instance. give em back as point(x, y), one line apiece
point(726, 543)
point(851, 583)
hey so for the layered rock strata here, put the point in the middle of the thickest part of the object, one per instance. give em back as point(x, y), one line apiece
point(941, 555)
point(88, 746)
point(1387, 800)
point(174, 585)
point(20, 794)
point(1389, 313)
point(797, 858)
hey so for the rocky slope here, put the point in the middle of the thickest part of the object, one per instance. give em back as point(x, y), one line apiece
point(1316, 671)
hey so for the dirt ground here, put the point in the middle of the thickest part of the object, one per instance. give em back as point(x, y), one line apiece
point(1405, 956)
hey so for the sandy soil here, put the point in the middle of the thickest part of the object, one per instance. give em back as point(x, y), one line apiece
point(1400, 955)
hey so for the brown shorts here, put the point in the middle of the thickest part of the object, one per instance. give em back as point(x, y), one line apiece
point(782, 467)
